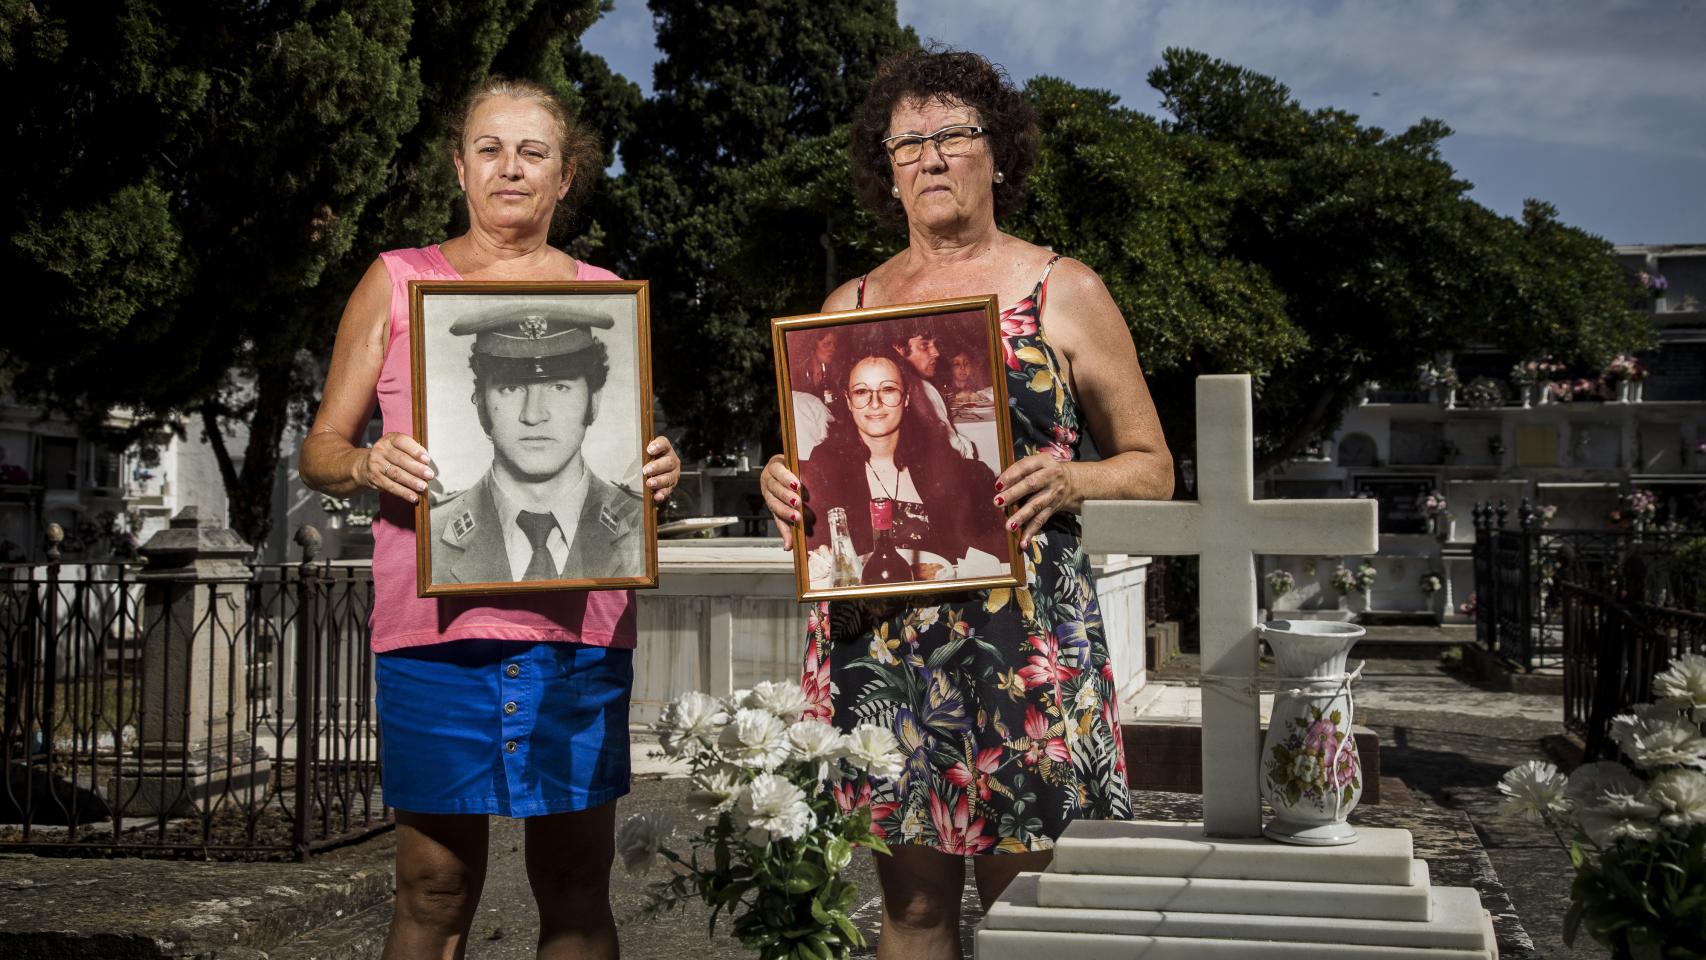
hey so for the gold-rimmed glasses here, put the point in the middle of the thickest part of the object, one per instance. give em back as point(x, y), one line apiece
point(887, 394)
point(951, 141)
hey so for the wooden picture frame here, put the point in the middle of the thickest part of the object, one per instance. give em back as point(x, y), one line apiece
point(506, 403)
point(860, 387)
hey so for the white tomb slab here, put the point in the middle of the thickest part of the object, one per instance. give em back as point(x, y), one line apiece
point(1216, 890)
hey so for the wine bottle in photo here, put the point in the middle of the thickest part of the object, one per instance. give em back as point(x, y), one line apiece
point(885, 564)
point(844, 560)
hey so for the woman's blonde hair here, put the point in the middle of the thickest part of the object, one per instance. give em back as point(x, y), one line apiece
point(579, 146)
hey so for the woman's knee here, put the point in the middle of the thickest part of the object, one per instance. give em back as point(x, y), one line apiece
point(440, 894)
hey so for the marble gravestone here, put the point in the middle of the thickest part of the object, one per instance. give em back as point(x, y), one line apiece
point(1216, 890)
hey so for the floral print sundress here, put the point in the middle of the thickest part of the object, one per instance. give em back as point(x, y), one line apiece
point(1002, 701)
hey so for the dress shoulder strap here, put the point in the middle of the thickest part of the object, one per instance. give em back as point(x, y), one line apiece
point(859, 304)
point(1042, 284)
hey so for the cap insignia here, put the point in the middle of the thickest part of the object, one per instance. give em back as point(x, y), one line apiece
point(533, 328)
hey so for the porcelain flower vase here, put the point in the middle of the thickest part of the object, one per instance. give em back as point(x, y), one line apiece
point(1311, 774)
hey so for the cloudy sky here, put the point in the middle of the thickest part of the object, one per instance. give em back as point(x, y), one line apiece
point(1597, 107)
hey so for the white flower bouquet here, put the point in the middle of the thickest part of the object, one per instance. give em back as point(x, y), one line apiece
point(1639, 844)
point(774, 837)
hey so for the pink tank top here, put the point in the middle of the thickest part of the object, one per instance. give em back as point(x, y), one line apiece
point(604, 618)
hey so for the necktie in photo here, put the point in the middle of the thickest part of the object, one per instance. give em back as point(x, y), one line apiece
point(538, 527)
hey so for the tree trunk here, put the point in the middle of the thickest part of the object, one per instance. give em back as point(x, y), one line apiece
point(249, 490)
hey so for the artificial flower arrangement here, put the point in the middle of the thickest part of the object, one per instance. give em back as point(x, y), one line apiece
point(1655, 283)
point(1431, 583)
point(1545, 512)
point(1469, 606)
point(1433, 504)
point(776, 795)
point(1343, 580)
point(1530, 372)
point(1625, 367)
point(1640, 508)
point(1442, 376)
point(1482, 393)
point(1281, 582)
point(1364, 578)
point(1638, 836)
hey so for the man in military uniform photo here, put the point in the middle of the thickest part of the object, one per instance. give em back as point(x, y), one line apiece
point(538, 513)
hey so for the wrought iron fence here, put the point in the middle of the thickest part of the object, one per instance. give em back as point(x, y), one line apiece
point(227, 717)
point(1518, 612)
point(1612, 649)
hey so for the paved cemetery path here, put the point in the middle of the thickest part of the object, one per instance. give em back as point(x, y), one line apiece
point(1449, 739)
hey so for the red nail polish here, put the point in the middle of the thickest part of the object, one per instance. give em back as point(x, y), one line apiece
point(999, 501)
point(793, 484)
point(998, 486)
point(1013, 526)
point(793, 501)
point(795, 518)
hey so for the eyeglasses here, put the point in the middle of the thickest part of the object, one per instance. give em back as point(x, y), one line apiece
point(954, 141)
point(888, 394)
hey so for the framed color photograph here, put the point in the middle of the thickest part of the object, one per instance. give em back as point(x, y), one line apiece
point(895, 421)
point(534, 400)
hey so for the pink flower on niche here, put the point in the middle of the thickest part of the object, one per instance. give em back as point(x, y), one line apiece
point(956, 832)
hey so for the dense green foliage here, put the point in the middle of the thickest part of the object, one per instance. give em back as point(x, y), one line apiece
point(204, 185)
point(198, 186)
point(746, 101)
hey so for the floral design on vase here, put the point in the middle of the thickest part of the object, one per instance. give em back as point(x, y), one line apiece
point(1311, 773)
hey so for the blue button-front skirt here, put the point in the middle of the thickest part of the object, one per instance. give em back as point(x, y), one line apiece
point(507, 727)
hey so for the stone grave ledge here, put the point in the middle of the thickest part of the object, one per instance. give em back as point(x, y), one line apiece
point(1444, 838)
point(57, 908)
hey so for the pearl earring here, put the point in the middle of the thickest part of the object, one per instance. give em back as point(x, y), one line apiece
point(894, 190)
point(1000, 177)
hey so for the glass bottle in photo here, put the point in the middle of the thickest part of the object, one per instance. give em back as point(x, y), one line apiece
point(844, 561)
point(885, 564)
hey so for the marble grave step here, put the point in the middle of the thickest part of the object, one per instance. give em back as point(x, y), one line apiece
point(1361, 901)
point(1456, 923)
point(1030, 944)
point(1167, 849)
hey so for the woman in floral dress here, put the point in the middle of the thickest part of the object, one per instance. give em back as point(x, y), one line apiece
point(1002, 701)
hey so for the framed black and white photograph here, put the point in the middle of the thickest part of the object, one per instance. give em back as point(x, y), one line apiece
point(535, 402)
point(895, 421)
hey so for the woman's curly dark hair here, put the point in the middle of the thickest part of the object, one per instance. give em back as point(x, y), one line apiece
point(940, 73)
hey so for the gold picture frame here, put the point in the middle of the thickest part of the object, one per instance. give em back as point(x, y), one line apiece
point(505, 401)
point(939, 434)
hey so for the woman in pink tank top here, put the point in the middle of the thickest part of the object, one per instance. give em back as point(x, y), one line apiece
point(515, 706)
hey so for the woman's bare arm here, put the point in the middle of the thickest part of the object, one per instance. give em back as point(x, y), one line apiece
point(1085, 326)
point(331, 460)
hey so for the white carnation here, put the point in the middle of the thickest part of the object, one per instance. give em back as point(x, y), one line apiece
point(1590, 782)
point(690, 723)
point(1534, 791)
point(640, 839)
point(774, 809)
point(1621, 816)
point(874, 751)
point(714, 792)
point(1683, 686)
point(756, 738)
point(1682, 794)
point(817, 743)
point(786, 700)
point(1655, 736)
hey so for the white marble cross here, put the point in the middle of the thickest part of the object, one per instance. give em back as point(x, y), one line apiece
point(1228, 527)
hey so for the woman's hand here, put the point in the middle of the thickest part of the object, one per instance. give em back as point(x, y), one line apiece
point(663, 470)
point(1036, 488)
point(397, 465)
point(781, 491)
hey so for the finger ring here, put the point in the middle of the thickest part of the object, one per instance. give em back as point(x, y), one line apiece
point(389, 469)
